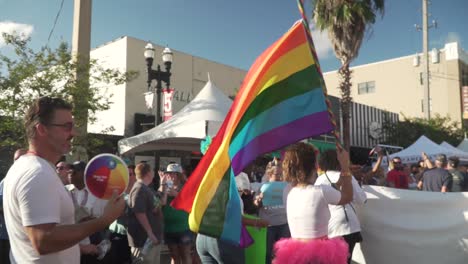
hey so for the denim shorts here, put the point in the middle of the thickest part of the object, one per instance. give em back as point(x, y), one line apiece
point(180, 238)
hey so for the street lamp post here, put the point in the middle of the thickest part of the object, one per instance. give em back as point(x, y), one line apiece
point(158, 75)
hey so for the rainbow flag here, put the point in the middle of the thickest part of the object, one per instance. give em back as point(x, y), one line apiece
point(281, 101)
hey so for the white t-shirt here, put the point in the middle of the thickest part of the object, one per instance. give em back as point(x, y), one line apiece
point(93, 206)
point(307, 210)
point(90, 205)
point(33, 195)
point(338, 226)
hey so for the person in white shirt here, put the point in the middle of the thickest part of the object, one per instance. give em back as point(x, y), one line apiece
point(343, 221)
point(87, 207)
point(307, 209)
point(38, 210)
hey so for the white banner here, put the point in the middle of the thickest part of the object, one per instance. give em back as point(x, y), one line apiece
point(149, 99)
point(403, 226)
point(168, 94)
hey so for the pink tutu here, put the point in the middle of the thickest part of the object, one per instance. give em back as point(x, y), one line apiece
point(323, 251)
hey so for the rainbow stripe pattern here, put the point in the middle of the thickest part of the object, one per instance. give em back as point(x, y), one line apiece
point(281, 101)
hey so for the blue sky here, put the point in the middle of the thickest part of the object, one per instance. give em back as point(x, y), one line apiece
point(230, 32)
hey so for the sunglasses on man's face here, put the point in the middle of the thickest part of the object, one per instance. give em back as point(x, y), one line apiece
point(68, 126)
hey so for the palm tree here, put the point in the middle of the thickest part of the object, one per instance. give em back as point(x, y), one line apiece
point(346, 22)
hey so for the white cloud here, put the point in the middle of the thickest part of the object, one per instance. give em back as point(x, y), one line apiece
point(322, 43)
point(10, 27)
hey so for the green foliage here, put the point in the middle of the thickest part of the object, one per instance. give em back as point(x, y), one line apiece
point(30, 74)
point(346, 21)
point(438, 129)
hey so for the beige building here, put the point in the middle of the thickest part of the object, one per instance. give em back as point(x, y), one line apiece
point(396, 84)
point(189, 75)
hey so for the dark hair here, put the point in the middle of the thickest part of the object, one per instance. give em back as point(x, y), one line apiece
point(247, 197)
point(453, 161)
point(141, 170)
point(42, 111)
point(328, 160)
point(298, 163)
point(131, 167)
point(77, 166)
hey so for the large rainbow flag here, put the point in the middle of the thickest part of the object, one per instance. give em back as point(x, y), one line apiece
point(281, 101)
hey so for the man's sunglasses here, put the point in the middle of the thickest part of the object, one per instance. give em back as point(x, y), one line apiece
point(60, 168)
point(68, 126)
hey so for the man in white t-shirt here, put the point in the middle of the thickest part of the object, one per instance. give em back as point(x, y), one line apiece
point(39, 212)
point(343, 221)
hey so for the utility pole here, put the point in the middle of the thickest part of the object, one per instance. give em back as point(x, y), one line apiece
point(425, 29)
point(81, 47)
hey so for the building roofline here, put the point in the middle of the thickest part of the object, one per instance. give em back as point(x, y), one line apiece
point(461, 58)
point(195, 56)
point(375, 63)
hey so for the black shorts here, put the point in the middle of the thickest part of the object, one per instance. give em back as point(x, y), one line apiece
point(179, 238)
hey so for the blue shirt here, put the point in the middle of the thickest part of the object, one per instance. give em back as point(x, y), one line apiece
point(273, 193)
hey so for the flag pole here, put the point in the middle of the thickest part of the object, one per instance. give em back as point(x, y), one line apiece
point(335, 132)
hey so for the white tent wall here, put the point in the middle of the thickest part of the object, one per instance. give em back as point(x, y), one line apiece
point(405, 226)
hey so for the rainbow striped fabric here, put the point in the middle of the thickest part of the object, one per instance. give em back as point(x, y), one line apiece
point(281, 101)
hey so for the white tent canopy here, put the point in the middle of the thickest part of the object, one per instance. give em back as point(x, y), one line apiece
point(202, 117)
point(457, 152)
point(412, 154)
point(463, 146)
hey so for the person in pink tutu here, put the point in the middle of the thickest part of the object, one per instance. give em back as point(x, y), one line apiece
point(307, 209)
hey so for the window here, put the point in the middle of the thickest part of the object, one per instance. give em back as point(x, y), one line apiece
point(367, 87)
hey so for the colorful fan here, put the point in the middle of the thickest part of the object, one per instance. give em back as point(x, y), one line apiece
point(105, 174)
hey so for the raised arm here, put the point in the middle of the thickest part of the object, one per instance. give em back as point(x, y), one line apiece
point(377, 164)
point(344, 183)
point(427, 161)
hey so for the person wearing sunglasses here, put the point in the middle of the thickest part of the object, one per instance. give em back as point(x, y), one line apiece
point(62, 169)
point(397, 178)
point(39, 212)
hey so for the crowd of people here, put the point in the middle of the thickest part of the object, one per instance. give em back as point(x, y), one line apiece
point(305, 201)
point(441, 175)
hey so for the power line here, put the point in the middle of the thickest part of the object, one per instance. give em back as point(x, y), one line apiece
point(55, 22)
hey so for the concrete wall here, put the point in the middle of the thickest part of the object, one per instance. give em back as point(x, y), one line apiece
point(107, 57)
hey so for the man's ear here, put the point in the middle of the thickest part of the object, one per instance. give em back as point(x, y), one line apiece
point(41, 129)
